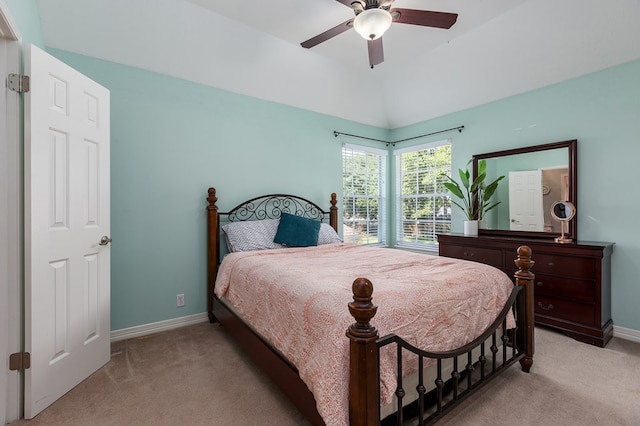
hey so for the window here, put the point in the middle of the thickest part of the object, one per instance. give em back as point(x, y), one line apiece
point(364, 203)
point(423, 208)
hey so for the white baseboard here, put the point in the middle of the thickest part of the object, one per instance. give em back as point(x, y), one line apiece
point(155, 327)
point(626, 333)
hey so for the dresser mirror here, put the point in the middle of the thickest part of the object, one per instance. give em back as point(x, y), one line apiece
point(546, 174)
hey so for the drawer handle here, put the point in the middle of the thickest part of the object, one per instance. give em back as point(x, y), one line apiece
point(539, 283)
point(551, 264)
point(547, 307)
point(469, 254)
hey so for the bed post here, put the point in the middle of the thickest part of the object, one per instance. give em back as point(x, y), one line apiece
point(364, 399)
point(524, 277)
point(333, 212)
point(213, 246)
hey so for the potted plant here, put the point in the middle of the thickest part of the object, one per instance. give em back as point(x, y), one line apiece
point(475, 197)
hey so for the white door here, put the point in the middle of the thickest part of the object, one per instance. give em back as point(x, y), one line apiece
point(525, 201)
point(67, 271)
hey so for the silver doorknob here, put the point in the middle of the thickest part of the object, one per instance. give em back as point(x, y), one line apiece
point(105, 240)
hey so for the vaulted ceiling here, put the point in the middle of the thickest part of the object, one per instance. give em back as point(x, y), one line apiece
point(496, 49)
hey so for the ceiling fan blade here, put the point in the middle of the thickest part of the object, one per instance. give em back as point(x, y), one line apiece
point(426, 18)
point(346, 2)
point(376, 53)
point(338, 29)
point(385, 4)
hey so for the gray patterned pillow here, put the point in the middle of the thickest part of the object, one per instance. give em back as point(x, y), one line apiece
point(252, 235)
point(328, 235)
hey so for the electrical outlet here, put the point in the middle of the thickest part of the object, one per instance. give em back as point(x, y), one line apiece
point(179, 300)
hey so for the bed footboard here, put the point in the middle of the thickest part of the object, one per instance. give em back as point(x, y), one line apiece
point(516, 345)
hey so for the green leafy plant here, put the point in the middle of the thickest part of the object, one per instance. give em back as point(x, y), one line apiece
point(474, 196)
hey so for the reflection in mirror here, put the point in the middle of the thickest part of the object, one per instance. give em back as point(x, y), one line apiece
point(534, 181)
point(537, 176)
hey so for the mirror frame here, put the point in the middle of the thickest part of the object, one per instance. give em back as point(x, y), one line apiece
point(572, 147)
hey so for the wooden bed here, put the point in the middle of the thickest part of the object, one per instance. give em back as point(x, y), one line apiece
point(482, 361)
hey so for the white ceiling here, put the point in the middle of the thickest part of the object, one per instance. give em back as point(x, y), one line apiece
point(497, 48)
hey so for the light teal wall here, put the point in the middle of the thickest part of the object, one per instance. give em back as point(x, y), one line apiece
point(601, 111)
point(25, 13)
point(170, 141)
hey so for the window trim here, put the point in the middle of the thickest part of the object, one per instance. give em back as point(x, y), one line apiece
point(397, 153)
point(383, 196)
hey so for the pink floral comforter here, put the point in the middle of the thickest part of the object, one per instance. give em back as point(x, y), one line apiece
point(297, 299)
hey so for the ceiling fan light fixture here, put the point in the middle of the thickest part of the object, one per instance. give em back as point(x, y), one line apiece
point(372, 23)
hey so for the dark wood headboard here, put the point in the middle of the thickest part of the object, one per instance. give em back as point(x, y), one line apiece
point(263, 207)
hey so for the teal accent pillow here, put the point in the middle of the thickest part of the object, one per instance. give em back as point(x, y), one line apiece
point(297, 231)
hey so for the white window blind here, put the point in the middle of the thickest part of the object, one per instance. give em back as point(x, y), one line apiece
point(364, 203)
point(423, 207)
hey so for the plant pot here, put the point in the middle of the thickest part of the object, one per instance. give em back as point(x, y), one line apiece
point(471, 228)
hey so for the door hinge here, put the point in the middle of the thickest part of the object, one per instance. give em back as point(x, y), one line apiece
point(18, 83)
point(19, 361)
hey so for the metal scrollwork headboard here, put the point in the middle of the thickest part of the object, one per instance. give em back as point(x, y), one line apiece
point(273, 205)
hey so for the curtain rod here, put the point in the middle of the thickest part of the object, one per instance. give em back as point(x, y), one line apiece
point(459, 129)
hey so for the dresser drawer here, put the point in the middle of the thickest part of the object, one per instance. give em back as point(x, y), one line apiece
point(476, 254)
point(565, 288)
point(577, 267)
point(562, 309)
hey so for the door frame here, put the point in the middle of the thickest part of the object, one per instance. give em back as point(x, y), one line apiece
point(11, 224)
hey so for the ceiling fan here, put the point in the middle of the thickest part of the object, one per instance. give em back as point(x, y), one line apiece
point(374, 17)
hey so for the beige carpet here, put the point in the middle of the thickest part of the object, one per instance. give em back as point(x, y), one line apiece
point(196, 376)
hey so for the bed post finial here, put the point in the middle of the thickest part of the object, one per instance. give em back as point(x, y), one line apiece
point(333, 212)
point(363, 369)
point(525, 278)
point(212, 199)
point(213, 247)
point(524, 262)
point(362, 309)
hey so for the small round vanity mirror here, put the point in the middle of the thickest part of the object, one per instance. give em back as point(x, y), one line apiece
point(563, 212)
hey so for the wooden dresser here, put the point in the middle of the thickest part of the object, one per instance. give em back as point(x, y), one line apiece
point(573, 281)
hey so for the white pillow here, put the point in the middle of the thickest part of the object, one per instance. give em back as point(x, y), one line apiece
point(259, 234)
